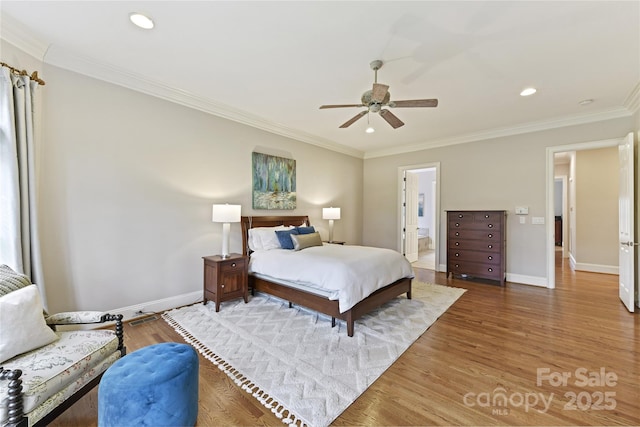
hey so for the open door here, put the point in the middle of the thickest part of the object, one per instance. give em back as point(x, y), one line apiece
point(411, 217)
point(626, 223)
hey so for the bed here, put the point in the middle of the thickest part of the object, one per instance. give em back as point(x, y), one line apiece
point(298, 293)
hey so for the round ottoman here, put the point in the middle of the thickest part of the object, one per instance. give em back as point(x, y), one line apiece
point(154, 386)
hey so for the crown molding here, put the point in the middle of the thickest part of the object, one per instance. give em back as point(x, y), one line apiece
point(18, 35)
point(63, 58)
point(633, 100)
point(614, 113)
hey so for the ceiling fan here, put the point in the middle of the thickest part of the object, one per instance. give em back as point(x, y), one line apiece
point(379, 97)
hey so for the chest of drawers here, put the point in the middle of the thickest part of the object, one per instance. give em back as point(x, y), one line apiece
point(476, 244)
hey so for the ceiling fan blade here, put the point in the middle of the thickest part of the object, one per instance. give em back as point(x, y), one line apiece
point(391, 119)
point(340, 106)
point(414, 103)
point(379, 92)
point(353, 120)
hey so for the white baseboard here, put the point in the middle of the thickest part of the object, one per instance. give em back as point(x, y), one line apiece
point(151, 307)
point(597, 268)
point(527, 280)
point(513, 278)
point(158, 306)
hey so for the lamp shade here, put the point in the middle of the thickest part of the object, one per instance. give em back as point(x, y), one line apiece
point(330, 213)
point(226, 213)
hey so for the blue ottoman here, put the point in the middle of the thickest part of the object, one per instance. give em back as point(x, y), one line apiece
point(154, 386)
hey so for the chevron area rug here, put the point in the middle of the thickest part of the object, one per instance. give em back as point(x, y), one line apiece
point(294, 362)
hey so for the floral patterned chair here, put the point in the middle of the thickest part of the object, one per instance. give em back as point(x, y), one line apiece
point(44, 371)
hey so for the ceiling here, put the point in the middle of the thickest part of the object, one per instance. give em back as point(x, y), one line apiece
point(272, 64)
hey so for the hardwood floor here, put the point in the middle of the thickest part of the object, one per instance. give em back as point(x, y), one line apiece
point(492, 342)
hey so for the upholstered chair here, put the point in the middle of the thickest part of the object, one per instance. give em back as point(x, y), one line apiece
point(43, 371)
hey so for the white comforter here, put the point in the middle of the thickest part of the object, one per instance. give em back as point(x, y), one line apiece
point(350, 273)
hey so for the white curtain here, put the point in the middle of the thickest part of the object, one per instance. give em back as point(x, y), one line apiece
point(19, 247)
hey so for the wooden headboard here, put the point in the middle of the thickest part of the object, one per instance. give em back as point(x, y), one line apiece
point(248, 222)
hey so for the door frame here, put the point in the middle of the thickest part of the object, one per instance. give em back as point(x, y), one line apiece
point(400, 215)
point(550, 217)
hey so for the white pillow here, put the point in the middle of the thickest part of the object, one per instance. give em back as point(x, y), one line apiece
point(23, 326)
point(265, 238)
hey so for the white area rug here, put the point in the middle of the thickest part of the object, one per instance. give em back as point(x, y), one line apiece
point(293, 362)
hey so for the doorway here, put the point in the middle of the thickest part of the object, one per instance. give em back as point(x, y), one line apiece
point(560, 161)
point(420, 245)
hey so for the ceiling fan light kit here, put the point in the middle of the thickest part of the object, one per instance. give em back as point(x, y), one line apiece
point(377, 98)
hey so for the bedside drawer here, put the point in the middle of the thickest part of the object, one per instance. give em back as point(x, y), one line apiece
point(233, 266)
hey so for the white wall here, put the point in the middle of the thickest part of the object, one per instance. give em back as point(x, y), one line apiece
point(499, 173)
point(597, 184)
point(637, 200)
point(426, 178)
point(127, 182)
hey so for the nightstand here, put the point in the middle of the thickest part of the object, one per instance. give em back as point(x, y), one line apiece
point(335, 242)
point(225, 278)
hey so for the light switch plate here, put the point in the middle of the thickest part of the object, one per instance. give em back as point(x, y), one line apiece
point(537, 220)
point(522, 210)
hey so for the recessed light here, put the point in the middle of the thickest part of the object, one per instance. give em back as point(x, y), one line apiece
point(370, 130)
point(585, 102)
point(528, 91)
point(141, 20)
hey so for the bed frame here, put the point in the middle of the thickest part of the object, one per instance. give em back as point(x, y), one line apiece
point(309, 300)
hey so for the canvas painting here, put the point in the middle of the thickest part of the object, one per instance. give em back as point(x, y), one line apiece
point(274, 182)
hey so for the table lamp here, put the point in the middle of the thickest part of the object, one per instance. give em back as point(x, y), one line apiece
point(226, 214)
point(330, 214)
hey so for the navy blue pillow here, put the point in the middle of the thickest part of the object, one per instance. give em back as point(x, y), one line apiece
point(284, 237)
point(305, 230)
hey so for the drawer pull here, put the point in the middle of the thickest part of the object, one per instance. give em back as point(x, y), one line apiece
point(489, 270)
point(233, 264)
point(457, 224)
point(490, 246)
point(457, 254)
point(489, 257)
point(457, 243)
point(222, 286)
point(490, 225)
point(460, 215)
point(486, 216)
point(457, 265)
point(489, 235)
point(457, 233)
